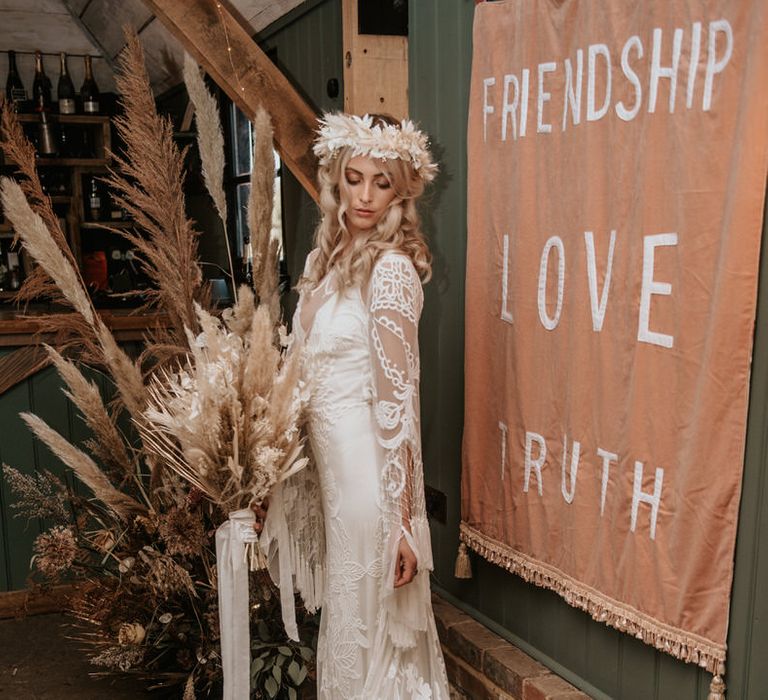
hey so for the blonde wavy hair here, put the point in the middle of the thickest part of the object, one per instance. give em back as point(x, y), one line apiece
point(353, 256)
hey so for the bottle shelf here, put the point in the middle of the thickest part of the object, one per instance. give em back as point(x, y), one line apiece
point(95, 128)
point(106, 224)
point(33, 117)
point(69, 162)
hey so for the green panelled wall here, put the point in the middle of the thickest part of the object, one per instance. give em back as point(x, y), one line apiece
point(602, 661)
point(41, 394)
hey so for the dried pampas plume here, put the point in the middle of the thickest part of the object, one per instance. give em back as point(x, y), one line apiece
point(36, 238)
point(260, 208)
point(210, 141)
point(122, 505)
point(149, 183)
point(107, 443)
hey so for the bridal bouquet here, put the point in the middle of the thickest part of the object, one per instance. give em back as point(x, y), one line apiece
point(201, 425)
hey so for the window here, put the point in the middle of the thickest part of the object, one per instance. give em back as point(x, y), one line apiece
point(239, 189)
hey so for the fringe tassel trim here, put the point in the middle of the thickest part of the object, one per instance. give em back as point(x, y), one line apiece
point(684, 646)
point(309, 579)
point(463, 568)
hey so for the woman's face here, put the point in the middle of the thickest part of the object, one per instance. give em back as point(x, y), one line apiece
point(366, 192)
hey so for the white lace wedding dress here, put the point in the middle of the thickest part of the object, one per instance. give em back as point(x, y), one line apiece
point(361, 364)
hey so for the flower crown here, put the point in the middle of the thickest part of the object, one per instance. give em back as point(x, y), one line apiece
point(388, 142)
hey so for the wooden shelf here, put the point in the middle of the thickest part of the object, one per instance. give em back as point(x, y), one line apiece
point(107, 224)
point(68, 162)
point(31, 117)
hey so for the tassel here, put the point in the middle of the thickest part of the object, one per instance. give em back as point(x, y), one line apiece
point(717, 686)
point(463, 564)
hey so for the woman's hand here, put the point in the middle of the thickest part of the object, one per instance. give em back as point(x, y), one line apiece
point(261, 513)
point(405, 566)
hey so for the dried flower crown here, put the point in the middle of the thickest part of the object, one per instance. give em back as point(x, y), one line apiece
point(388, 142)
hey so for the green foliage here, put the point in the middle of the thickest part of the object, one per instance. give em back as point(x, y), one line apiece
point(279, 666)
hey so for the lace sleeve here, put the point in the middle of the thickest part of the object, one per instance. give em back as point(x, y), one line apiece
point(395, 303)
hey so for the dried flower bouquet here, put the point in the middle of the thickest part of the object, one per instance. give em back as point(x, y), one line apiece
point(202, 424)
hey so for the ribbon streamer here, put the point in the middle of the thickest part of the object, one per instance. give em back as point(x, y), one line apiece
point(236, 545)
point(276, 535)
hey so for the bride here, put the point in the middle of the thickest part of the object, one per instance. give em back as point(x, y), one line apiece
point(354, 531)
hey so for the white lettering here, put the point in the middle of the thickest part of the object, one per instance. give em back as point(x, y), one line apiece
point(541, 127)
point(598, 308)
point(594, 51)
point(658, 72)
point(506, 314)
point(693, 63)
point(638, 497)
point(651, 287)
point(573, 95)
point(715, 65)
point(621, 110)
point(607, 457)
point(570, 493)
point(504, 431)
point(524, 102)
point(550, 323)
point(536, 464)
point(509, 109)
point(487, 108)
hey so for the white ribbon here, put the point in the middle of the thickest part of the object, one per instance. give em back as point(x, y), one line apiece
point(236, 549)
point(276, 532)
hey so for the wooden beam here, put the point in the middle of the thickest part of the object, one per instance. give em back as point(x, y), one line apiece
point(21, 364)
point(207, 29)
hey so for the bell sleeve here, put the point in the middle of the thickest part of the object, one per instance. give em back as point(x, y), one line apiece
point(395, 303)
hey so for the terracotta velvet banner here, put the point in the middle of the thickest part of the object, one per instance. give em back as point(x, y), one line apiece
point(617, 171)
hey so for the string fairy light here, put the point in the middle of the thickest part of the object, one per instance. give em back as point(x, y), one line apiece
point(235, 73)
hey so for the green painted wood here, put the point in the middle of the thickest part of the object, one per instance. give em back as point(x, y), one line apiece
point(308, 49)
point(17, 450)
point(589, 654)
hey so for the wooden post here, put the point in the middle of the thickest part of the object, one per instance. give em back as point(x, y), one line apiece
point(213, 33)
point(375, 68)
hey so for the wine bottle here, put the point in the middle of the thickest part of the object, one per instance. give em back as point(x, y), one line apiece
point(41, 86)
point(89, 92)
point(247, 261)
point(94, 200)
point(14, 88)
point(47, 142)
point(66, 90)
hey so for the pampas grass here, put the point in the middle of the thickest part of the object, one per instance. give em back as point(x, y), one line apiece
point(107, 443)
point(42, 246)
point(216, 401)
point(210, 140)
point(227, 421)
point(121, 504)
point(260, 207)
point(148, 183)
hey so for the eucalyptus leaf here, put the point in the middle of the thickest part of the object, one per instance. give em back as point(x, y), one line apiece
point(292, 694)
point(277, 672)
point(302, 675)
point(271, 687)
